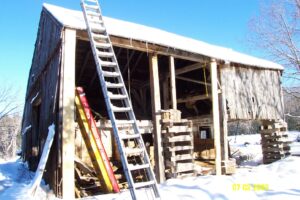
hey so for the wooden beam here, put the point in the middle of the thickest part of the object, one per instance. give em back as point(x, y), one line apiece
point(216, 118)
point(192, 80)
point(172, 82)
point(156, 117)
point(189, 68)
point(150, 48)
point(68, 117)
point(154, 48)
point(193, 98)
point(224, 128)
point(166, 93)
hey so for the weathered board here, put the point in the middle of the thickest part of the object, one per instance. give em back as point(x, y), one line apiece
point(252, 93)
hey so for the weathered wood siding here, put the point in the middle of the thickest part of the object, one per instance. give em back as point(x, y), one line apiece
point(43, 80)
point(252, 93)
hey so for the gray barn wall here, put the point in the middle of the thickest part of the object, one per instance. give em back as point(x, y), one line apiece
point(252, 93)
point(43, 80)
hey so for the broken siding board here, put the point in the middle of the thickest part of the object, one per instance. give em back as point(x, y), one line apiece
point(252, 93)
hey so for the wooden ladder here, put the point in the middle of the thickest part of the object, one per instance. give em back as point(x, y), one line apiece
point(135, 160)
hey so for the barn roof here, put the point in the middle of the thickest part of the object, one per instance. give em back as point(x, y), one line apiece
point(74, 19)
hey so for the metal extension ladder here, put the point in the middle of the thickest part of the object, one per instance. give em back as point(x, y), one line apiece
point(135, 159)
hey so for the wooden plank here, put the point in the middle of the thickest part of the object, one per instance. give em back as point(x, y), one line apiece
point(194, 98)
point(180, 138)
point(181, 157)
point(180, 148)
point(178, 129)
point(43, 160)
point(193, 80)
point(156, 107)
point(216, 117)
point(68, 121)
point(172, 82)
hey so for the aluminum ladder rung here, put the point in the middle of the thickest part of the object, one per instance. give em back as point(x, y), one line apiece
point(110, 74)
point(91, 7)
point(116, 96)
point(102, 45)
point(144, 184)
point(114, 85)
point(98, 36)
point(133, 151)
point(95, 14)
point(129, 136)
point(104, 54)
point(92, 1)
point(124, 122)
point(98, 29)
point(132, 167)
point(107, 64)
point(120, 109)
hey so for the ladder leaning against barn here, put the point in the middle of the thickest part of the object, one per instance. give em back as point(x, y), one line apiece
point(135, 159)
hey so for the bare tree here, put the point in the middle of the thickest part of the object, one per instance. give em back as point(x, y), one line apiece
point(10, 135)
point(9, 121)
point(276, 31)
point(8, 103)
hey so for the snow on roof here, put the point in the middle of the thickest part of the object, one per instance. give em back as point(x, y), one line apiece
point(74, 19)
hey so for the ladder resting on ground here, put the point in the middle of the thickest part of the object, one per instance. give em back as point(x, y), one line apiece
point(135, 160)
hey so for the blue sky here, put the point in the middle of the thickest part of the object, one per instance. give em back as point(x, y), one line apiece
point(220, 22)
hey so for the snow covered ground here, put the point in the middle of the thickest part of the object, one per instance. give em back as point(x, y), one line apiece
point(253, 180)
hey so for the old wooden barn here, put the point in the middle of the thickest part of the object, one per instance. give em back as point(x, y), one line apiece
point(176, 84)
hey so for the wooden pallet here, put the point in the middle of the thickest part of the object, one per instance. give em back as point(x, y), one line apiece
point(274, 140)
point(178, 148)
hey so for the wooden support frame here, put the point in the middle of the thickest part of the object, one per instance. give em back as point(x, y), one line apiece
point(172, 82)
point(192, 80)
point(68, 114)
point(194, 98)
point(216, 117)
point(189, 68)
point(156, 117)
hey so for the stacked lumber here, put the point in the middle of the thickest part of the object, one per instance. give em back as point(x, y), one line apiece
point(177, 137)
point(274, 140)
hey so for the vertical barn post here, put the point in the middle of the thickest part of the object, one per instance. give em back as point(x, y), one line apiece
point(224, 129)
point(156, 117)
point(172, 82)
point(68, 114)
point(216, 119)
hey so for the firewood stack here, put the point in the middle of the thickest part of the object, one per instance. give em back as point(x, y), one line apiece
point(274, 140)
